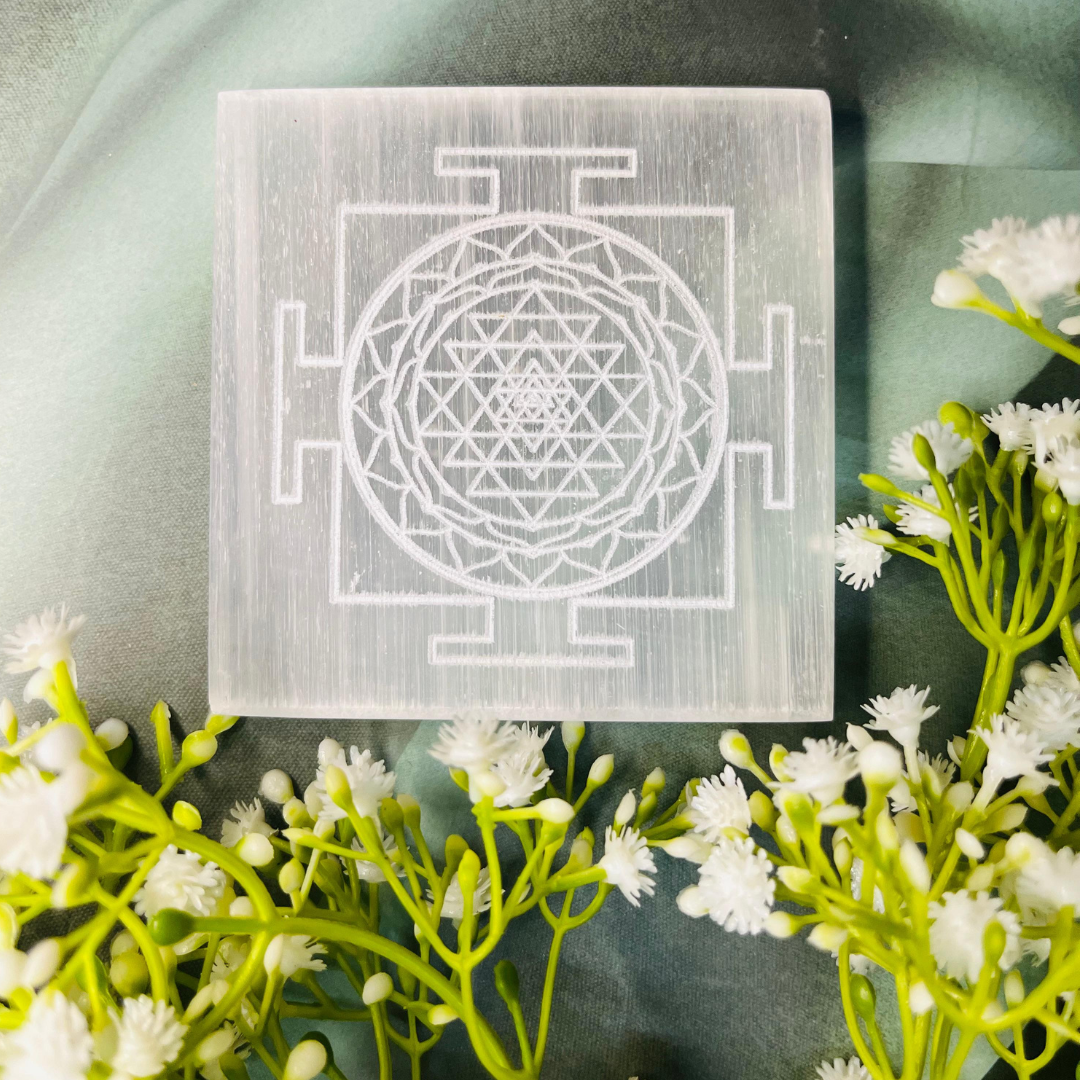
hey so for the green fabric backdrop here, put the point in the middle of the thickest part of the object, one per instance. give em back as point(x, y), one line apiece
point(947, 113)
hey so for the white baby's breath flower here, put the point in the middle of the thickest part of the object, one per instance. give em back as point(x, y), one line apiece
point(720, 803)
point(369, 782)
point(522, 767)
point(1011, 751)
point(53, 1041)
point(735, 887)
point(230, 957)
point(950, 450)
point(473, 742)
point(1062, 676)
point(290, 953)
point(43, 641)
point(627, 863)
point(247, 818)
point(1049, 880)
point(1049, 711)
point(1047, 262)
point(369, 871)
point(454, 901)
point(34, 814)
point(179, 879)
point(916, 521)
point(149, 1036)
point(1050, 423)
point(956, 933)
point(943, 769)
point(985, 249)
point(839, 1069)
point(229, 1041)
point(858, 560)
point(1011, 423)
point(821, 769)
point(901, 714)
point(1063, 464)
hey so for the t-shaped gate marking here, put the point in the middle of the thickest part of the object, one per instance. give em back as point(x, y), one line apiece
point(533, 406)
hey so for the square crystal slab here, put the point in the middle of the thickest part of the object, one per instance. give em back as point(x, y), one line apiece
point(523, 404)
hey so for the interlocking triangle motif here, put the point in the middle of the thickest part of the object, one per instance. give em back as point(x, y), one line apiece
point(531, 377)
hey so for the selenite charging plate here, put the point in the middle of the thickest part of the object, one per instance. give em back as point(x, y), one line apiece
point(523, 404)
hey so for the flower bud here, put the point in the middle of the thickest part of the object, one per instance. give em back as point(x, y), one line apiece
point(624, 812)
point(838, 813)
point(214, 1045)
point(581, 853)
point(242, 908)
point(797, 808)
point(1070, 326)
point(296, 814)
point(186, 816)
point(653, 783)
point(468, 873)
point(958, 797)
point(982, 877)
point(124, 942)
point(202, 1001)
point(9, 722)
point(276, 786)
point(573, 731)
point(337, 787)
point(507, 982)
point(555, 811)
point(785, 831)
point(913, 863)
point(779, 924)
point(762, 811)
point(994, 941)
point(378, 988)
point(129, 974)
point(863, 997)
point(1034, 784)
point(777, 756)
point(601, 769)
point(72, 883)
point(453, 851)
point(796, 878)
point(291, 877)
point(42, 962)
point(735, 748)
point(111, 734)
point(1014, 989)
point(329, 749)
point(59, 747)
point(1007, 818)
point(842, 856)
point(858, 736)
point(827, 938)
point(955, 289)
point(324, 828)
point(256, 850)
point(888, 837)
point(171, 925)
point(691, 847)
point(920, 1000)
point(197, 749)
point(692, 901)
point(969, 845)
point(410, 810)
point(485, 784)
point(441, 1015)
point(218, 725)
point(275, 953)
point(12, 963)
point(1021, 849)
point(880, 764)
point(909, 826)
point(390, 814)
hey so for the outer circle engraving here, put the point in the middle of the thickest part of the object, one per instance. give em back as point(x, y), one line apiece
point(533, 406)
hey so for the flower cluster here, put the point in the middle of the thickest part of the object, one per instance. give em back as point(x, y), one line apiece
point(209, 942)
point(932, 876)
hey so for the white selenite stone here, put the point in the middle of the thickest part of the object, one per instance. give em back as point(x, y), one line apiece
point(523, 404)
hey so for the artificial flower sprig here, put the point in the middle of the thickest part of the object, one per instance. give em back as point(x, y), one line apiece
point(192, 951)
point(901, 869)
point(1033, 264)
